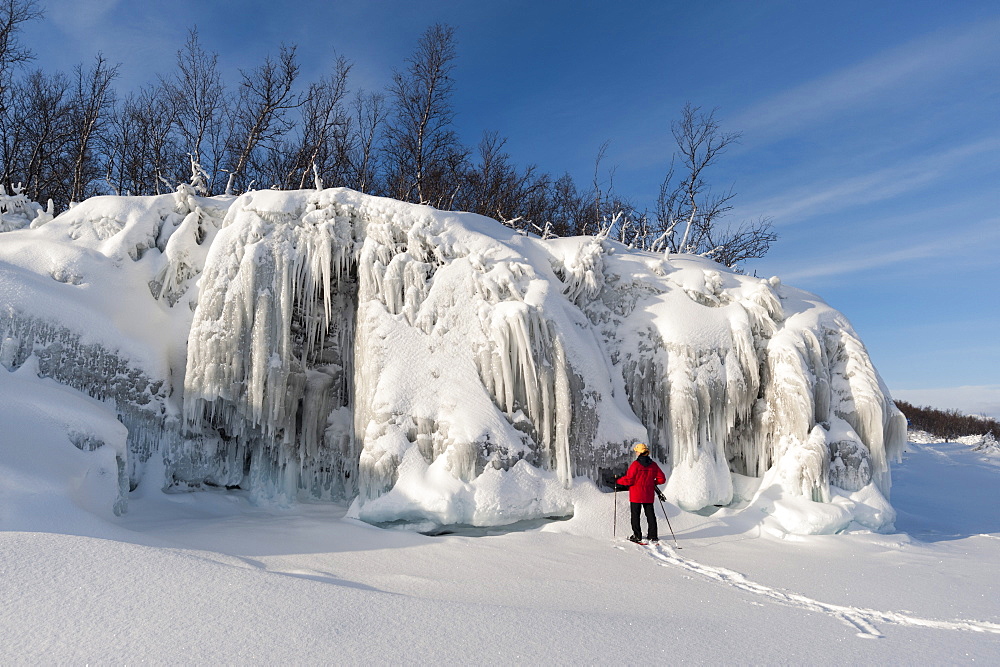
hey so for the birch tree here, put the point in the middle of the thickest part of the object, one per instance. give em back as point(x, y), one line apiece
point(323, 137)
point(200, 105)
point(422, 150)
point(38, 149)
point(689, 214)
point(13, 14)
point(13, 54)
point(261, 119)
point(143, 155)
point(370, 113)
point(93, 100)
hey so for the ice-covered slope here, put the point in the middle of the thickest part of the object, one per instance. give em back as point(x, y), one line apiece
point(439, 367)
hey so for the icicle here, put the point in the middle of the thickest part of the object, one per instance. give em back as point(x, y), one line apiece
point(272, 293)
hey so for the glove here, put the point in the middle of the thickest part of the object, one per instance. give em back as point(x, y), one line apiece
point(621, 487)
point(659, 494)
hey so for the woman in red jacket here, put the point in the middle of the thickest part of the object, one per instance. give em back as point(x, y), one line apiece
point(642, 477)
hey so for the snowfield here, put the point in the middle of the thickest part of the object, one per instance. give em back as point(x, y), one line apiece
point(321, 427)
point(208, 577)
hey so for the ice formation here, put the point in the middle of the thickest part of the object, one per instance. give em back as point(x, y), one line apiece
point(17, 211)
point(439, 367)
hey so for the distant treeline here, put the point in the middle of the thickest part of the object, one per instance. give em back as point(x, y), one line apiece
point(947, 423)
point(69, 137)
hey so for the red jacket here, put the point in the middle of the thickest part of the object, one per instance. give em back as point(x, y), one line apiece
point(642, 479)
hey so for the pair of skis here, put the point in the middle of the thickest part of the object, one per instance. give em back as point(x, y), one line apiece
point(645, 543)
point(659, 496)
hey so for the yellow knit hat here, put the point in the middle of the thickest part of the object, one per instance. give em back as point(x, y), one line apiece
point(640, 449)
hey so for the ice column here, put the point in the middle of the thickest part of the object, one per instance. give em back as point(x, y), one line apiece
point(270, 358)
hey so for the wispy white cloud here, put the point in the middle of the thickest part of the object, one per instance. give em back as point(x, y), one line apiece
point(876, 255)
point(74, 16)
point(915, 62)
point(882, 184)
point(133, 35)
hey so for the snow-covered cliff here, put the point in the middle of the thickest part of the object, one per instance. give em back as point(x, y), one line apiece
point(440, 367)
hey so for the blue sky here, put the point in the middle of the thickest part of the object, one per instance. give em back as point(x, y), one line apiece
point(871, 130)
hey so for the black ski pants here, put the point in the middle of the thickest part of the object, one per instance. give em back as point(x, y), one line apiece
point(637, 508)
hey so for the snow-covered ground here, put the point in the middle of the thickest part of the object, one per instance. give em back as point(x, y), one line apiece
point(208, 577)
point(329, 357)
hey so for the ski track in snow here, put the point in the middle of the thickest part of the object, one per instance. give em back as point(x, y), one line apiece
point(863, 620)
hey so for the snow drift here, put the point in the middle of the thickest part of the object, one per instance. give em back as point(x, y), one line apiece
point(439, 367)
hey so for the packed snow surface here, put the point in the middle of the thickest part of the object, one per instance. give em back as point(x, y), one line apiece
point(439, 368)
point(210, 577)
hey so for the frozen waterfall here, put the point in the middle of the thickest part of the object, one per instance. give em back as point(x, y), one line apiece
point(440, 367)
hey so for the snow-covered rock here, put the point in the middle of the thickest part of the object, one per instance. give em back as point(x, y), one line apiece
point(440, 367)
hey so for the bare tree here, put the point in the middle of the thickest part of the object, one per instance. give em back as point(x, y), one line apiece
point(568, 208)
point(199, 100)
point(38, 148)
point(491, 180)
point(93, 99)
point(422, 150)
point(14, 13)
point(599, 209)
point(370, 113)
point(261, 117)
point(323, 142)
point(596, 216)
point(534, 203)
point(748, 240)
point(64, 137)
point(688, 213)
point(496, 187)
point(143, 156)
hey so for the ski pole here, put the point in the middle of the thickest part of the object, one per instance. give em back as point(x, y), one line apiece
point(614, 522)
point(668, 520)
